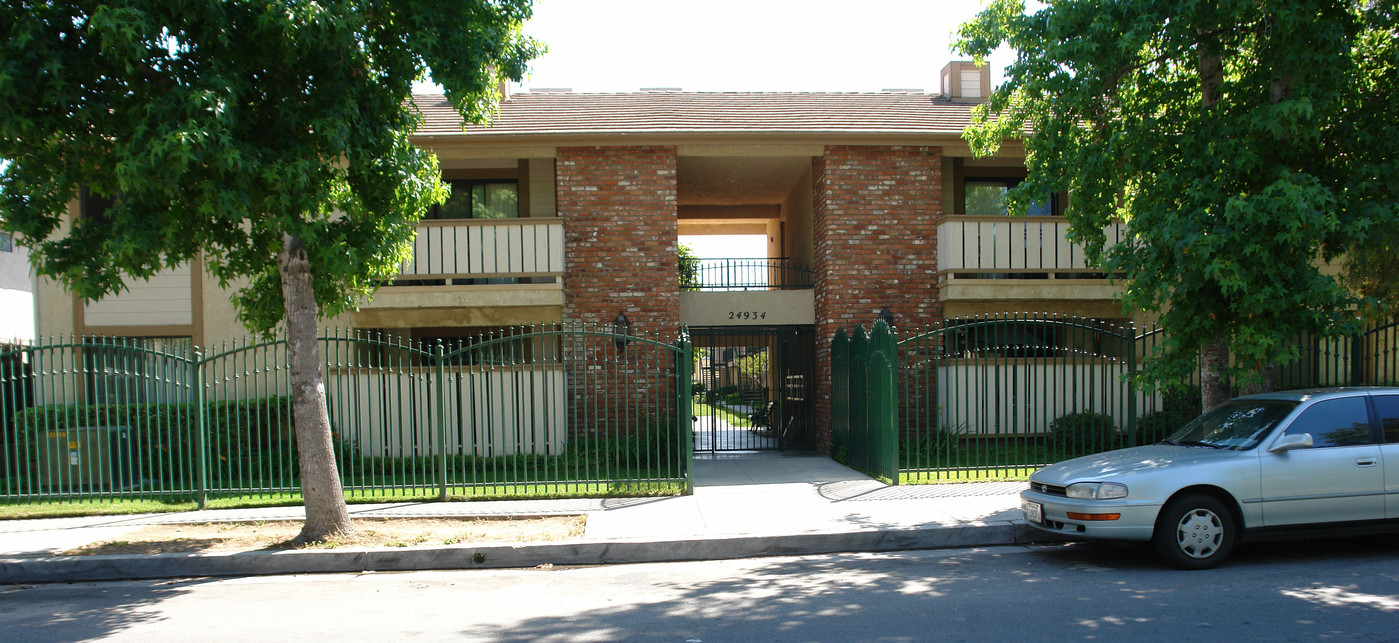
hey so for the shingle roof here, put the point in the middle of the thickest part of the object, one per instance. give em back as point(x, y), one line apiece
point(664, 112)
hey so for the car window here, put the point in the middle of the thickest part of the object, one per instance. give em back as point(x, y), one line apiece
point(1388, 406)
point(1334, 423)
point(1236, 424)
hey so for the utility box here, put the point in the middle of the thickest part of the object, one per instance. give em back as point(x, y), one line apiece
point(87, 458)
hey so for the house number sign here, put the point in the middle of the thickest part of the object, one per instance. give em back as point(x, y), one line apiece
point(747, 314)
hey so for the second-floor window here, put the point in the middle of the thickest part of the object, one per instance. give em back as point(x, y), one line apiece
point(476, 199)
point(988, 197)
point(92, 208)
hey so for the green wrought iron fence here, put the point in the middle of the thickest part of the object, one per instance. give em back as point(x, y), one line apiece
point(526, 412)
point(998, 396)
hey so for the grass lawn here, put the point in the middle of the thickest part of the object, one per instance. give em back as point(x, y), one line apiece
point(10, 510)
point(734, 418)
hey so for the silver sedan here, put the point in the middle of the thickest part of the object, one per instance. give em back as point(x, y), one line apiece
point(1289, 464)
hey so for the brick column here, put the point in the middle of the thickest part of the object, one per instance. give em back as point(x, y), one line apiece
point(875, 211)
point(620, 234)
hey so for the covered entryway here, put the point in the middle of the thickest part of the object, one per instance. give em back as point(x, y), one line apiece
point(754, 388)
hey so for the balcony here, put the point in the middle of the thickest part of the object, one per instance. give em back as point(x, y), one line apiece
point(466, 252)
point(473, 273)
point(747, 292)
point(999, 257)
point(728, 275)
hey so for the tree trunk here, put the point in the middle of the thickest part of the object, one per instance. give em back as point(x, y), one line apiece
point(326, 513)
point(1214, 355)
point(1211, 70)
point(1267, 382)
point(1214, 359)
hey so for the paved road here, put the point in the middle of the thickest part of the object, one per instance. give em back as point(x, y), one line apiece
point(1329, 589)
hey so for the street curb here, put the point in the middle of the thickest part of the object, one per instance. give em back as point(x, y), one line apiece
point(606, 552)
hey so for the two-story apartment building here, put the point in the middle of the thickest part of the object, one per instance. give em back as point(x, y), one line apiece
point(569, 206)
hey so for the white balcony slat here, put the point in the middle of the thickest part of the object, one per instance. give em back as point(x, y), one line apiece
point(1008, 244)
point(477, 248)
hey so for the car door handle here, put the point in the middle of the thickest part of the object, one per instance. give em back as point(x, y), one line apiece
point(1366, 462)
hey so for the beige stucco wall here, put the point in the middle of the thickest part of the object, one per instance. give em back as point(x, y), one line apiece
point(799, 226)
point(164, 299)
point(1108, 309)
point(755, 308)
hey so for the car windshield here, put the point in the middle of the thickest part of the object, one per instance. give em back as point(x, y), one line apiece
point(1238, 424)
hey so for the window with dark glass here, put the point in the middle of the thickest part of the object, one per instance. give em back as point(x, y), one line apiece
point(1335, 423)
point(92, 207)
point(1032, 338)
point(479, 199)
point(125, 370)
point(987, 197)
point(1388, 407)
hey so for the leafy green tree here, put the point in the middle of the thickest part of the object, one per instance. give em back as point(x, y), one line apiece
point(269, 139)
point(754, 368)
point(1240, 142)
point(689, 268)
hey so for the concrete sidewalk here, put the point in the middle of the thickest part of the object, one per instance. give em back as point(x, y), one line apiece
point(744, 505)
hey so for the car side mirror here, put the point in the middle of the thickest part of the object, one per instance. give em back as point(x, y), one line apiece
point(1290, 442)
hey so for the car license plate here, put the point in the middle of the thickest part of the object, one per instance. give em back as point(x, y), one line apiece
point(1034, 511)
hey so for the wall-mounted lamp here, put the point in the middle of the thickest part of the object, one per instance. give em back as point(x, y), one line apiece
point(621, 327)
point(887, 316)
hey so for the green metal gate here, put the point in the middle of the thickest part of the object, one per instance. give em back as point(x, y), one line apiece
point(754, 388)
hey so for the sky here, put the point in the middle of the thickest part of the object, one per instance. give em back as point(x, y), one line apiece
point(750, 45)
point(747, 45)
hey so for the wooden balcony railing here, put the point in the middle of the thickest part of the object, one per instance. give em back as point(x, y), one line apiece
point(1000, 245)
point(463, 251)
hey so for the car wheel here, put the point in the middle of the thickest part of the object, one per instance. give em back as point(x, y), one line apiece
point(1195, 531)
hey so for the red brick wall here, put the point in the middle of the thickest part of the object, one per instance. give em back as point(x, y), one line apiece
point(619, 216)
point(876, 246)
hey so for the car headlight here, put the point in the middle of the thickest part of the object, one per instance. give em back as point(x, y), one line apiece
point(1097, 490)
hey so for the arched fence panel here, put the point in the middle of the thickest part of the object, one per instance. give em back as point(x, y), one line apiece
point(98, 417)
point(1000, 394)
point(523, 412)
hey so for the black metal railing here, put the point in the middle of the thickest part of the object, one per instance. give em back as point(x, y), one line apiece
point(777, 273)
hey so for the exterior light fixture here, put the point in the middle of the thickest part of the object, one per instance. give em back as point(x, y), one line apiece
point(621, 328)
point(887, 316)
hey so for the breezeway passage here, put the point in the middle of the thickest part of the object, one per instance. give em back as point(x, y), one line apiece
point(754, 388)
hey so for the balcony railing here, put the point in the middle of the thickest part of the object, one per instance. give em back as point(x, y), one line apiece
point(469, 251)
point(1000, 246)
point(747, 274)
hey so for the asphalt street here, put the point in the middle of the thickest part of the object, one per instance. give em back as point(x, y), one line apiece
point(1290, 591)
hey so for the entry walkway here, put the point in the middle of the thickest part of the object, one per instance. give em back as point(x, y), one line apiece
point(744, 505)
point(715, 434)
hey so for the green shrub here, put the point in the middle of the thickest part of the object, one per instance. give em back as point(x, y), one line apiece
point(1083, 432)
point(1179, 406)
point(243, 437)
point(922, 447)
point(655, 446)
